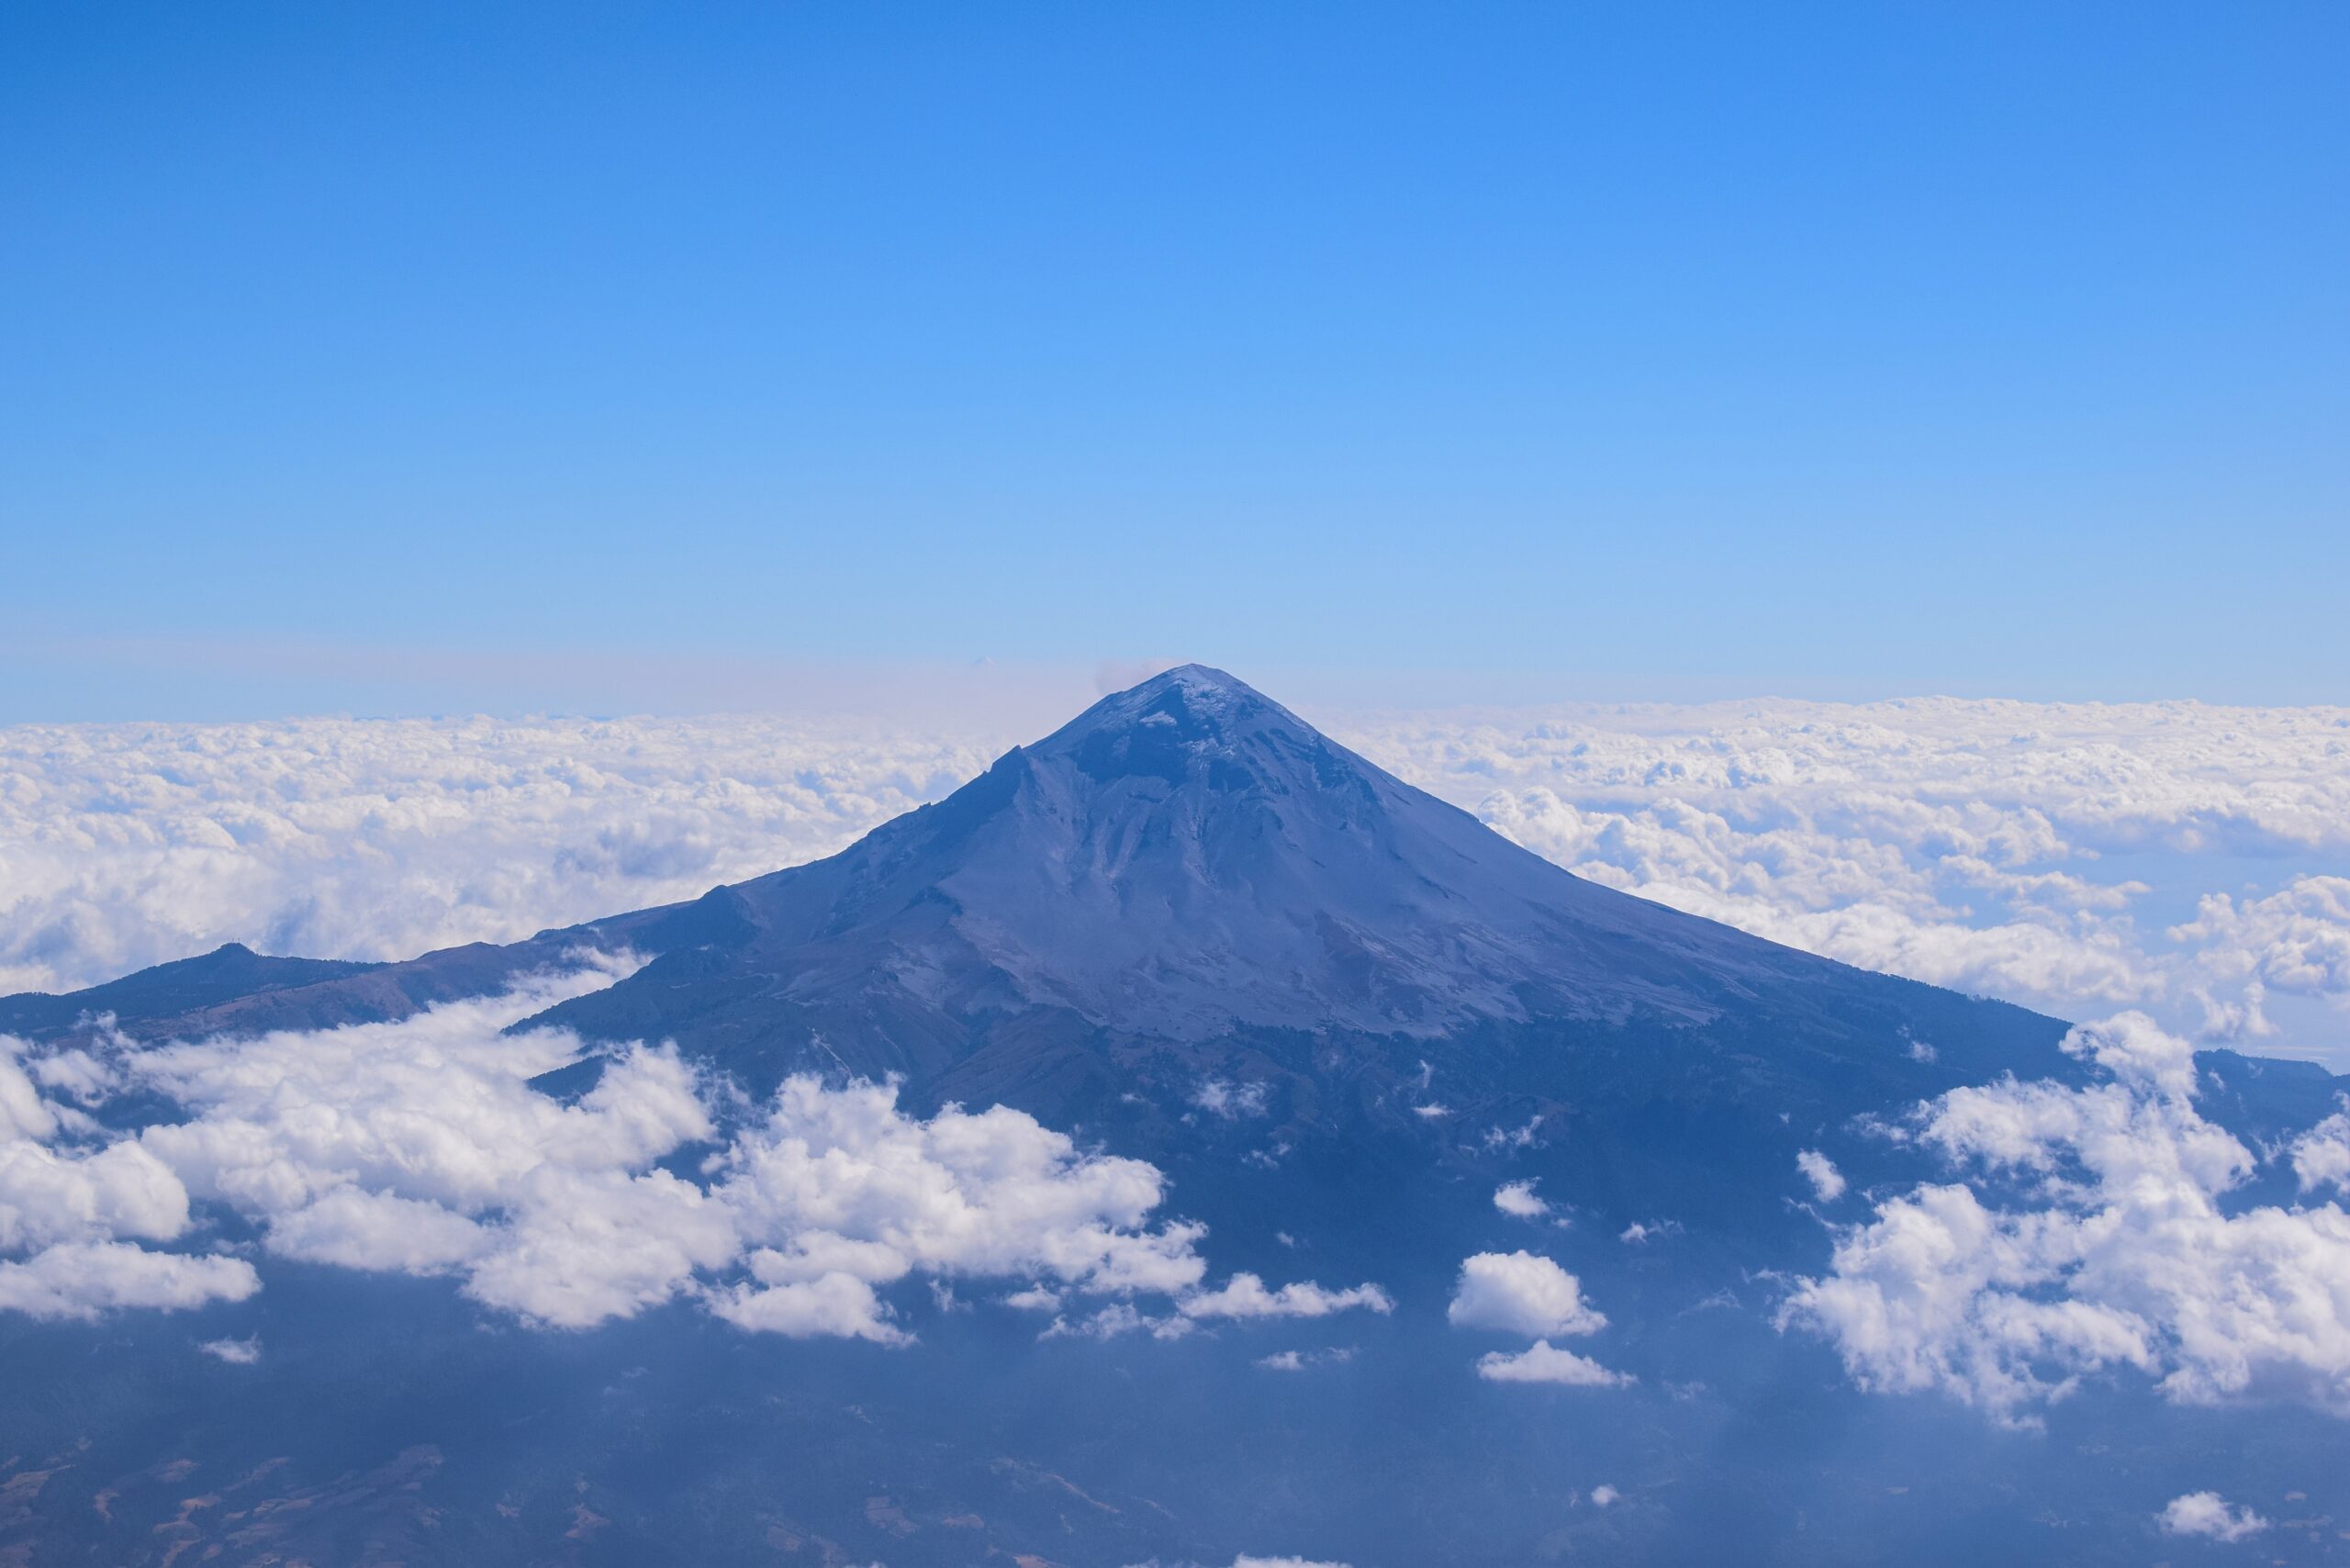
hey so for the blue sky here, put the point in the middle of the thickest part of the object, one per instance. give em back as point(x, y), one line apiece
point(419, 359)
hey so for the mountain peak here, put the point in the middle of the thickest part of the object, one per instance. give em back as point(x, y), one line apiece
point(1195, 725)
point(1195, 675)
point(1195, 702)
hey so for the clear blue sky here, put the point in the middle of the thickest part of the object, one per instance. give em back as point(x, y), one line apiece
point(388, 357)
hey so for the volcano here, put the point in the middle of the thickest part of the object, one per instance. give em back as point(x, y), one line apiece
point(1187, 870)
point(1185, 862)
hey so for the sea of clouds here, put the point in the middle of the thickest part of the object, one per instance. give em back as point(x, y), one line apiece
point(2186, 860)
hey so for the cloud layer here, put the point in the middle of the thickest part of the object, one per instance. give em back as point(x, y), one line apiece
point(2176, 857)
point(2072, 857)
point(123, 846)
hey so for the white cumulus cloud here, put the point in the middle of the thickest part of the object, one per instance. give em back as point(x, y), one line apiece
point(74, 1206)
point(84, 1279)
point(2088, 1233)
point(1544, 1363)
point(1521, 1292)
point(1518, 1200)
point(2322, 1155)
point(1524, 1293)
point(420, 1147)
point(2207, 1514)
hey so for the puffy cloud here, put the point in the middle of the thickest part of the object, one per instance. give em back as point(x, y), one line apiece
point(1931, 1297)
point(355, 1229)
point(76, 1073)
point(580, 1248)
point(1517, 1200)
point(2294, 940)
point(1035, 1298)
point(1520, 1293)
point(1544, 1363)
point(2207, 1514)
point(1602, 1495)
point(1523, 1292)
point(236, 1352)
point(830, 1304)
point(84, 1279)
point(2322, 1155)
point(49, 1195)
point(2120, 1254)
point(2141, 1056)
point(845, 1181)
point(420, 1147)
point(1245, 1561)
point(69, 1200)
point(23, 1112)
point(1827, 1181)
